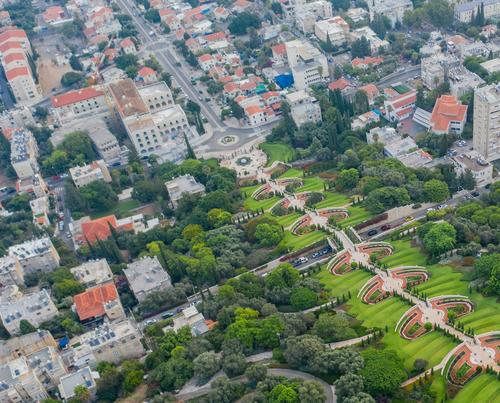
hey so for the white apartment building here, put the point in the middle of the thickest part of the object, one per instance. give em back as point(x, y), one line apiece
point(309, 66)
point(159, 132)
point(93, 272)
point(481, 170)
point(83, 175)
point(11, 272)
point(112, 342)
point(146, 276)
point(486, 126)
point(20, 116)
point(306, 14)
point(392, 9)
point(36, 255)
point(192, 318)
point(84, 102)
point(375, 42)
point(83, 377)
point(23, 153)
point(36, 308)
point(176, 187)
point(40, 207)
point(18, 383)
point(466, 10)
point(335, 28)
point(304, 108)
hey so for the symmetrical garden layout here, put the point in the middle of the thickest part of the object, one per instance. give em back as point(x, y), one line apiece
point(473, 355)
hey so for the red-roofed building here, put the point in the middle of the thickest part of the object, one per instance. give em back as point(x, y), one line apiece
point(257, 115)
point(401, 106)
point(53, 15)
point(97, 302)
point(341, 84)
point(206, 62)
point(231, 90)
point(271, 97)
point(147, 75)
point(11, 60)
point(366, 62)
point(221, 14)
point(77, 103)
point(127, 46)
point(111, 54)
point(16, 35)
point(371, 91)
point(215, 37)
point(448, 115)
point(279, 53)
point(241, 5)
point(248, 87)
point(99, 228)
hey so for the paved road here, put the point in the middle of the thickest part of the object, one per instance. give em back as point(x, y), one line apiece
point(400, 76)
point(169, 61)
point(7, 99)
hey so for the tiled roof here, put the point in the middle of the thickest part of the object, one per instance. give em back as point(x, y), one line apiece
point(253, 110)
point(12, 57)
point(366, 61)
point(279, 49)
point(98, 228)
point(146, 71)
point(127, 42)
point(90, 304)
point(72, 97)
point(446, 110)
point(340, 84)
point(16, 72)
point(12, 34)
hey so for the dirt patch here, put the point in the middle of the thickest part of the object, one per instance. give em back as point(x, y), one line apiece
point(138, 396)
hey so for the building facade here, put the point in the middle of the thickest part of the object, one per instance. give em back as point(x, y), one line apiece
point(486, 122)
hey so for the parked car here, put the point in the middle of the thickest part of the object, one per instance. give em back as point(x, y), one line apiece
point(385, 227)
point(167, 315)
point(372, 232)
point(475, 193)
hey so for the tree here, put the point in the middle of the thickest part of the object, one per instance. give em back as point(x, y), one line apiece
point(361, 48)
point(124, 61)
point(255, 373)
point(361, 103)
point(333, 328)
point(109, 384)
point(341, 4)
point(98, 196)
point(236, 110)
point(67, 288)
point(189, 150)
point(283, 393)
point(234, 364)
point(75, 63)
point(218, 217)
point(303, 298)
point(440, 238)
point(436, 191)
point(268, 235)
point(206, 365)
point(347, 179)
point(383, 372)
point(348, 386)
point(145, 191)
point(152, 15)
point(304, 352)
point(81, 394)
point(276, 7)
point(360, 397)
point(238, 25)
point(311, 392)
point(26, 327)
point(70, 78)
point(284, 276)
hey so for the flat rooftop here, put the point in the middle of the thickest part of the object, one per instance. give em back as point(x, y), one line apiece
point(127, 98)
point(159, 87)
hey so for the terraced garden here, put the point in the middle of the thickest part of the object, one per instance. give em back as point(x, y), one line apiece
point(277, 152)
point(295, 242)
point(486, 386)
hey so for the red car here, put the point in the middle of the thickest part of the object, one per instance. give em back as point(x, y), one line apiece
point(385, 227)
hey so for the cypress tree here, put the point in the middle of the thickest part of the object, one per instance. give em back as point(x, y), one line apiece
point(189, 150)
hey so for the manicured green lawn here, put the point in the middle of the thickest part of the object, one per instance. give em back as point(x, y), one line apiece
point(484, 388)
point(292, 173)
point(277, 152)
point(254, 205)
point(121, 208)
point(445, 280)
point(356, 215)
point(285, 220)
point(312, 184)
point(431, 347)
point(296, 242)
point(333, 199)
point(248, 190)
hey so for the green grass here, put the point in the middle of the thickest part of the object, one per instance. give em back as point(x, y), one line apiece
point(333, 199)
point(356, 215)
point(277, 152)
point(248, 190)
point(285, 220)
point(292, 173)
point(296, 242)
point(121, 209)
point(484, 388)
point(254, 205)
point(311, 184)
point(445, 280)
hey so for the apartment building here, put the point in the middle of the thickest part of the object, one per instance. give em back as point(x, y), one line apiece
point(18, 383)
point(38, 255)
point(183, 184)
point(448, 115)
point(156, 96)
point(83, 377)
point(146, 276)
point(93, 272)
point(32, 185)
point(40, 207)
point(36, 308)
point(23, 153)
point(335, 28)
point(304, 108)
point(481, 170)
point(110, 342)
point(464, 11)
point(15, 49)
point(20, 116)
point(392, 9)
point(193, 319)
point(11, 272)
point(486, 126)
point(83, 175)
point(84, 102)
point(309, 66)
point(376, 43)
point(159, 132)
point(306, 14)
point(96, 303)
